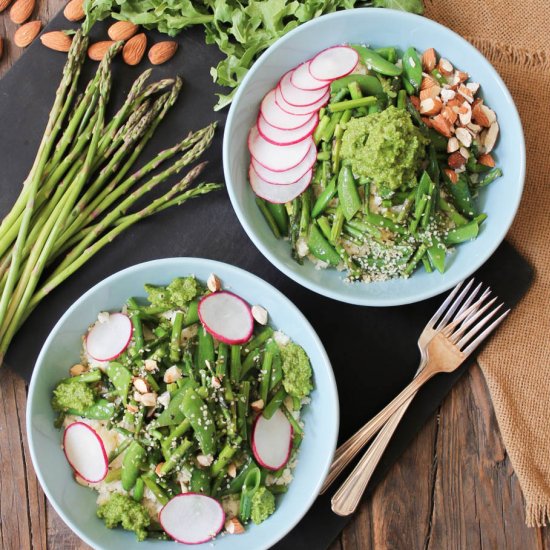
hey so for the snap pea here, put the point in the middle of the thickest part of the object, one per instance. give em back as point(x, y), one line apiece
point(159, 493)
point(250, 361)
point(415, 259)
point(134, 458)
point(100, 410)
point(133, 313)
point(276, 371)
point(268, 217)
point(463, 233)
point(348, 196)
point(221, 360)
point(271, 408)
point(250, 486)
point(200, 482)
point(389, 53)
point(337, 224)
point(266, 374)
point(320, 247)
point(352, 104)
point(381, 221)
point(235, 485)
point(436, 254)
point(121, 379)
point(93, 375)
point(369, 85)
point(226, 454)
point(453, 214)
point(205, 349)
point(280, 216)
point(472, 166)
point(324, 198)
point(427, 265)
point(115, 453)
point(176, 432)
point(175, 337)
point(192, 313)
point(412, 68)
point(198, 413)
point(321, 127)
point(263, 336)
point(489, 177)
point(176, 456)
point(376, 62)
point(441, 80)
point(173, 415)
point(409, 88)
point(460, 192)
point(480, 219)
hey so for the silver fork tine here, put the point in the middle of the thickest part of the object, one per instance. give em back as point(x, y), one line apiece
point(454, 306)
point(470, 299)
point(443, 306)
point(464, 315)
point(484, 334)
point(477, 327)
point(470, 319)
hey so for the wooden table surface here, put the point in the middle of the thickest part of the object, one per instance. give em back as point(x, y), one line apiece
point(453, 488)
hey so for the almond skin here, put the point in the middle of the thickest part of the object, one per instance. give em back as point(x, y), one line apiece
point(456, 160)
point(163, 51)
point(429, 60)
point(122, 30)
point(21, 11)
point(134, 49)
point(25, 34)
point(4, 4)
point(487, 160)
point(74, 10)
point(56, 40)
point(451, 174)
point(97, 51)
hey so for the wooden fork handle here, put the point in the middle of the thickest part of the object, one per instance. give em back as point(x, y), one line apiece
point(369, 430)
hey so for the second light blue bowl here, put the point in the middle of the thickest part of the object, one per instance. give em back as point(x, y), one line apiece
point(379, 27)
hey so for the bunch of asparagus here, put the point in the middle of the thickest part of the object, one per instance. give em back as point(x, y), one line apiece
point(77, 196)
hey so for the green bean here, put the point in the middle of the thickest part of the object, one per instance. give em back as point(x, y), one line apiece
point(293, 422)
point(418, 213)
point(198, 413)
point(115, 453)
point(323, 155)
point(331, 126)
point(160, 495)
point(279, 214)
point(388, 53)
point(489, 177)
point(324, 198)
point(319, 246)
point(271, 408)
point(200, 482)
point(176, 456)
point(263, 336)
point(121, 378)
point(133, 459)
point(205, 349)
point(221, 361)
point(369, 85)
point(152, 382)
point(268, 217)
point(415, 259)
point(402, 99)
point(352, 104)
point(265, 374)
point(242, 407)
point(192, 313)
point(250, 361)
point(337, 224)
point(376, 62)
point(175, 338)
point(463, 233)
point(235, 364)
point(139, 490)
point(412, 68)
point(321, 127)
point(276, 371)
point(348, 196)
point(133, 313)
point(226, 454)
point(306, 212)
point(339, 95)
point(175, 433)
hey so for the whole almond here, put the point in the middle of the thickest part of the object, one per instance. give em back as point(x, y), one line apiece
point(122, 30)
point(98, 50)
point(21, 11)
point(74, 10)
point(133, 50)
point(56, 40)
point(4, 4)
point(163, 51)
point(26, 33)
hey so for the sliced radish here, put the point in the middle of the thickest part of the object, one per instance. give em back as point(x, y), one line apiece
point(333, 63)
point(293, 110)
point(192, 518)
point(288, 176)
point(297, 97)
point(301, 78)
point(226, 317)
point(277, 157)
point(278, 118)
point(108, 339)
point(272, 441)
point(276, 193)
point(85, 452)
point(286, 137)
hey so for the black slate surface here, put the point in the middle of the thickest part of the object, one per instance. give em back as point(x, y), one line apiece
point(379, 355)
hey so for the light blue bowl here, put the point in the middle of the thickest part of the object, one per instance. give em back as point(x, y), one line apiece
point(76, 504)
point(379, 27)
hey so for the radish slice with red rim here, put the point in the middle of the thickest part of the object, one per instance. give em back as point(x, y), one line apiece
point(278, 118)
point(301, 78)
point(297, 97)
point(286, 137)
point(226, 317)
point(192, 518)
point(108, 339)
point(276, 193)
point(333, 63)
point(85, 452)
point(293, 110)
point(288, 176)
point(277, 157)
point(272, 441)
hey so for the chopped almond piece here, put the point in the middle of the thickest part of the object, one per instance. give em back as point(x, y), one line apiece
point(452, 145)
point(427, 121)
point(474, 128)
point(489, 137)
point(465, 114)
point(428, 82)
point(445, 67)
point(234, 527)
point(449, 114)
point(464, 152)
point(462, 76)
point(451, 174)
point(430, 106)
point(466, 93)
point(429, 60)
point(447, 94)
point(487, 160)
point(464, 136)
point(473, 86)
point(432, 92)
point(415, 102)
point(483, 116)
point(442, 125)
point(456, 160)
point(455, 102)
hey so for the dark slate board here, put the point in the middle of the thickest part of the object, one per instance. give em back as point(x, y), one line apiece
point(369, 370)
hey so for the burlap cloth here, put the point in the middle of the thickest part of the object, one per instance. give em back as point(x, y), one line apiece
point(515, 37)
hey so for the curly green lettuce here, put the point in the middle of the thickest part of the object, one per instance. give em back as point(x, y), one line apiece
point(123, 510)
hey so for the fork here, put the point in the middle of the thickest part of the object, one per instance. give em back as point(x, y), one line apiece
point(348, 450)
point(445, 352)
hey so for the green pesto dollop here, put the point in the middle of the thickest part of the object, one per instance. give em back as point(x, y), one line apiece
point(263, 505)
point(296, 370)
point(123, 510)
point(72, 395)
point(174, 296)
point(385, 147)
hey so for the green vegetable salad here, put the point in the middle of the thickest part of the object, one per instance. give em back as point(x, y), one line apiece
point(177, 412)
